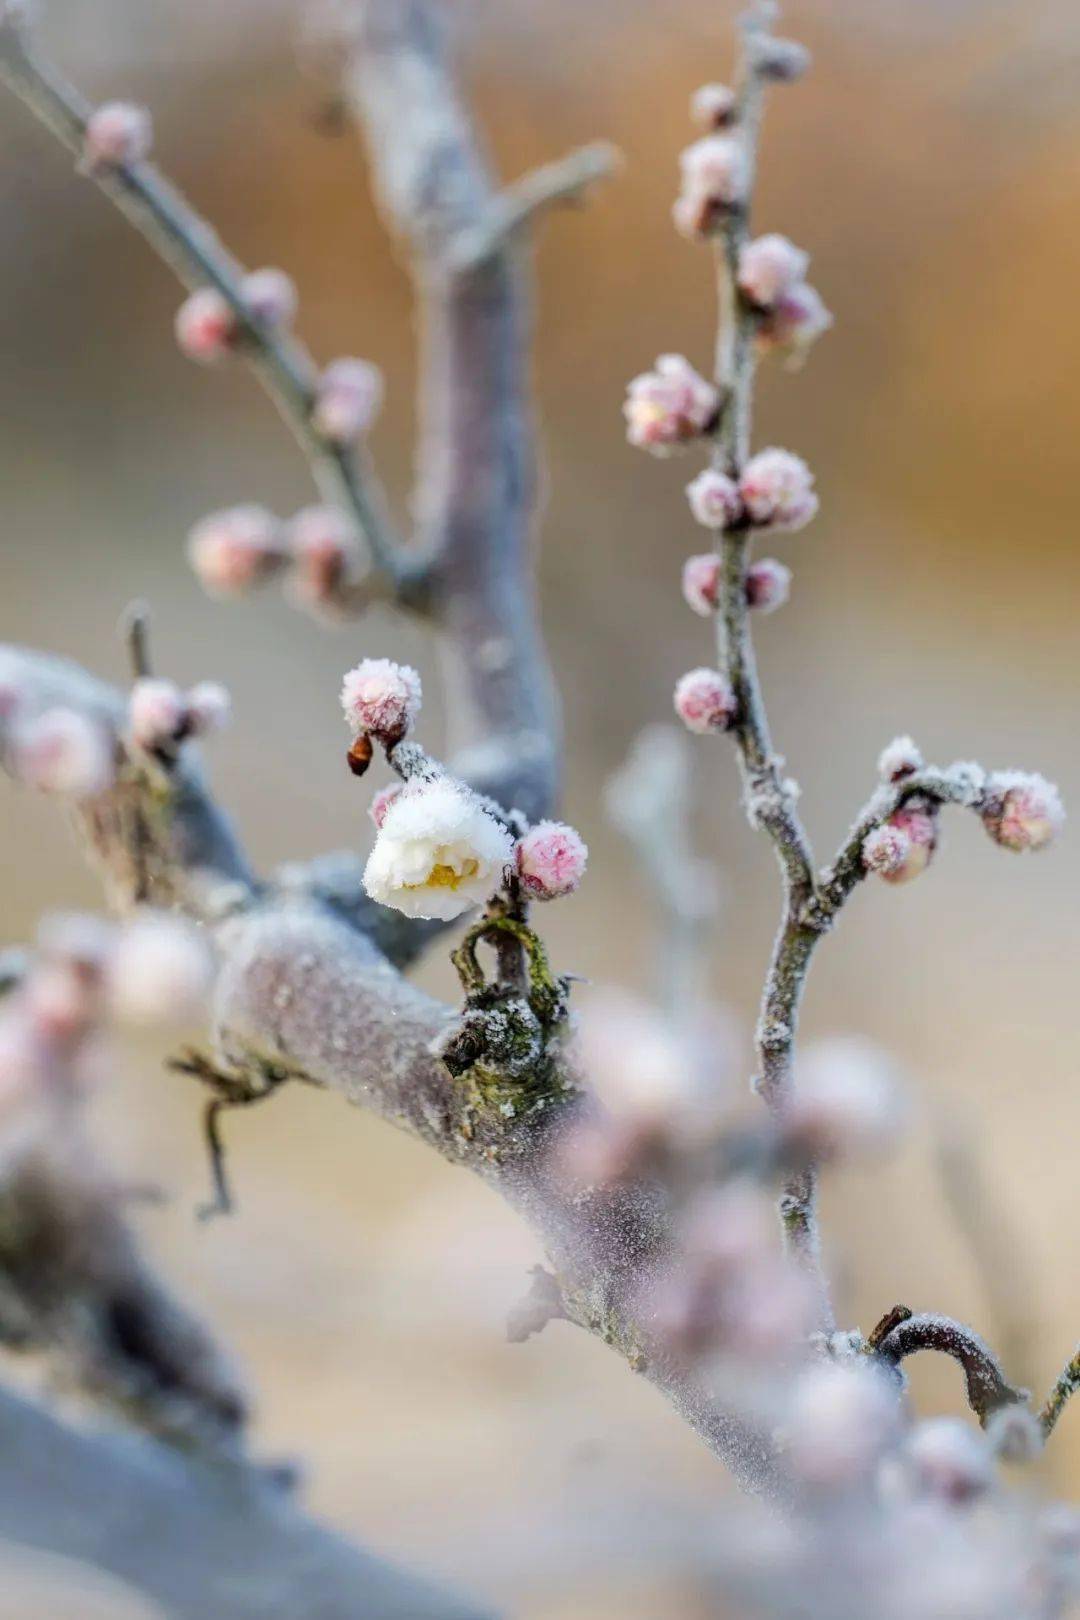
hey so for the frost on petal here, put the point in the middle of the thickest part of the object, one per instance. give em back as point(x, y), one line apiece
point(714, 499)
point(794, 323)
point(704, 701)
point(768, 585)
point(768, 268)
point(902, 847)
point(438, 852)
point(669, 406)
point(777, 488)
point(551, 860)
point(701, 583)
point(898, 759)
point(1022, 810)
point(381, 697)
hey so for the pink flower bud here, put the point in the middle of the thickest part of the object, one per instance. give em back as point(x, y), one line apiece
point(778, 490)
point(712, 106)
point(715, 167)
point(234, 550)
point(794, 324)
point(768, 585)
point(209, 708)
point(347, 400)
point(117, 133)
point(781, 61)
point(382, 801)
point(206, 326)
point(381, 697)
point(669, 406)
point(842, 1418)
point(902, 847)
point(269, 297)
point(701, 583)
point(64, 752)
point(714, 499)
point(899, 759)
point(551, 860)
point(160, 971)
point(157, 714)
point(846, 1102)
point(947, 1458)
point(704, 701)
point(1023, 810)
point(768, 268)
point(326, 554)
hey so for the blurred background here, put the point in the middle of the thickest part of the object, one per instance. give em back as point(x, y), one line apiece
point(931, 163)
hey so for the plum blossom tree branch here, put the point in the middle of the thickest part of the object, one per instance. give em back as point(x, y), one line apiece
point(1064, 1389)
point(193, 251)
point(988, 1389)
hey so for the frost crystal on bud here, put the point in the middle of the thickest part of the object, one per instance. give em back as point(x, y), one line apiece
point(117, 133)
point(777, 488)
point(898, 759)
point(714, 499)
point(947, 1458)
point(714, 173)
point(326, 554)
point(846, 1100)
point(63, 751)
point(160, 971)
point(704, 701)
point(795, 322)
point(1023, 810)
point(840, 1421)
point(902, 847)
point(669, 406)
point(205, 326)
point(438, 852)
point(769, 267)
point(768, 585)
point(269, 297)
point(382, 801)
point(381, 697)
point(157, 713)
point(701, 583)
point(713, 105)
point(234, 550)
point(347, 400)
point(551, 860)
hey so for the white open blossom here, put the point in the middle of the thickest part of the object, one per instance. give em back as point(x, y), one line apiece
point(438, 852)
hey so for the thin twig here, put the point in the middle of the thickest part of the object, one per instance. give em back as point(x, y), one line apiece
point(1066, 1387)
point(191, 248)
point(564, 182)
point(988, 1389)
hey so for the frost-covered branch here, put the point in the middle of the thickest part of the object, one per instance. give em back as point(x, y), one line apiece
point(1064, 1389)
point(988, 1389)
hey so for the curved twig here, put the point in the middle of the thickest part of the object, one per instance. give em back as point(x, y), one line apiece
point(988, 1389)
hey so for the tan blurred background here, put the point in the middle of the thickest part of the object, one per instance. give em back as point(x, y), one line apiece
point(931, 164)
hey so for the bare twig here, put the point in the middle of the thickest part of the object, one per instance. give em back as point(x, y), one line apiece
point(1064, 1389)
point(563, 182)
point(988, 1389)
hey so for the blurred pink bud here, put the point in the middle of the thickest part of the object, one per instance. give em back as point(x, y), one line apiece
point(347, 400)
point(769, 267)
point(701, 583)
point(796, 321)
point(206, 326)
point(269, 297)
point(209, 708)
point(157, 714)
point(768, 585)
point(381, 697)
point(1014, 1433)
point(669, 406)
point(11, 701)
point(22, 1069)
point(63, 751)
point(60, 1005)
point(781, 61)
point(902, 847)
point(768, 1310)
point(551, 860)
point(714, 499)
point(704, 701)
point(382, 801)
point(846, 1102)
point(715, 167)
point(326, 554)
point(160, 971)
point(730, 1228)
point(79, 940)
point(117, 133)
point(234, 550)
point(778, 490)
point(712, 106)
point(898, 759)
point(842, 1417)
point(1023, 810)
point(948, 1458)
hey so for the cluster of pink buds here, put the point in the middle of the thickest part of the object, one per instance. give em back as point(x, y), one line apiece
point(348, 397)
point(161, 716)
point(550, 860)
point(62, 751)
point(116, 133)
point(704, 701)
point(670, 406)
point(902, 847)
point(234, 550)
point(768, 584)
point(381, 699)
point(714, 173)
point(208, 326)
point(1022, 810)
point(772, 278)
